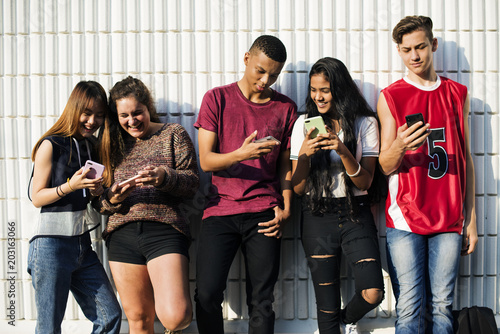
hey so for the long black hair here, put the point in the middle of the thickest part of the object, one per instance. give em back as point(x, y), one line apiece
point(348, 104)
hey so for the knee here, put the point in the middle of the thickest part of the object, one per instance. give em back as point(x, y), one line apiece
point(175, 318)
point(209, 298)
point(139, 320)
point(373, 296)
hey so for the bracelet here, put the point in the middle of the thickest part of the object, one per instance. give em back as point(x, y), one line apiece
point(57, 192)
point(69, 185)
point(357, 172)
point(60, 189)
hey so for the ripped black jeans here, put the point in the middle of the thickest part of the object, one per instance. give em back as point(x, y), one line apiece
point(324, 239)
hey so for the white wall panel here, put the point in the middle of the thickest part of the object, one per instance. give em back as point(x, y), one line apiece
point(181, 49)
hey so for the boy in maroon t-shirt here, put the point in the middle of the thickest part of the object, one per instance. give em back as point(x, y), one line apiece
point(249, 201)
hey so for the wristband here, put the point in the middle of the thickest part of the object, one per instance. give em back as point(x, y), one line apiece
point(357, 172)
point(57, 192)
point(69, 185)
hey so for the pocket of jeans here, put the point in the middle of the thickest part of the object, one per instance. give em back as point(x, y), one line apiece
point(32, 254)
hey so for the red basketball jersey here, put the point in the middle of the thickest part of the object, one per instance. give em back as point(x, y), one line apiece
point(427, 191)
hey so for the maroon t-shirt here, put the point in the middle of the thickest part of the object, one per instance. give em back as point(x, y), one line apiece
point(251, 185)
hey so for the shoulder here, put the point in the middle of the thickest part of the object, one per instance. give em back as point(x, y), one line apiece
point(399, 84)
point(221, 91)
point(366, 122)
point(455, 86)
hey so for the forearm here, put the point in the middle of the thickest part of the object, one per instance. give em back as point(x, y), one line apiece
point(215, 162)
point(391, 159)
point(362, 174)
point(48, 196)
point(301, 168)
point(470, 201)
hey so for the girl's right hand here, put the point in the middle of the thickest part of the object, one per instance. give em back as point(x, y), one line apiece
point(79, 180)
point(311, 145)
point(118, 194)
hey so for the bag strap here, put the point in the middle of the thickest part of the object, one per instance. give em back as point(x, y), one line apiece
point(29, 182)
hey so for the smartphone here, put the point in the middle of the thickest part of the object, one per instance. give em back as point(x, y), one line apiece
point(130, 181)
point(414, 118)
point(316, 122)
point(268, 138)
point(95, 169)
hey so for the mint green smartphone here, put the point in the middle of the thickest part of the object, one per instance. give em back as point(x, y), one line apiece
point(316, 122)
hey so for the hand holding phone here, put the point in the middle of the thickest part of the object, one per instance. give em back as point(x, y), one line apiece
point(414, 118)
point(130, 181)
point(266, 139)
point(95, 169)
point(316, 122)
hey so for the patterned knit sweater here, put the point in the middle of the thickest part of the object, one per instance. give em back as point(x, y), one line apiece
point(172, 149)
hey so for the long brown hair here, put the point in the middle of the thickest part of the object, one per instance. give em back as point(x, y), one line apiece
point(114, 140)
point(83, 97)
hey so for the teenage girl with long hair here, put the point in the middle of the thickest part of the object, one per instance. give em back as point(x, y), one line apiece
point(333, 172)
point(147, 235)
point(60, 257)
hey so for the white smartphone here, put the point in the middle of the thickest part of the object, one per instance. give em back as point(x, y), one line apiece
point(95, 169)
point(316, 122)
point(130, 181)
point(268, 138)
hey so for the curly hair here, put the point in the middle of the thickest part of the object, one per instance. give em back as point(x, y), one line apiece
point(410, 24)
point(271, 46)
point(128, 87)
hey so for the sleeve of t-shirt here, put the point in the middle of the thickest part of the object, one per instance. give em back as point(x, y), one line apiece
point(297, 138)
point(209, 113)
point(369, 137)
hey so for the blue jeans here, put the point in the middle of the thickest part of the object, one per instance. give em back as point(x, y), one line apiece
point(219, 240)
point(423, 270)
point(58, 265)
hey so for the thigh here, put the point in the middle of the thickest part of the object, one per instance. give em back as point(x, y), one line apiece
point(134, 287)
point(91, 287)
point(406, 256)
point(123, 245)
point(444, 258)
point(361, 249)
point(218, 243)
point(51, 262)
point(261, 253)
point(169, 277)
point(157, 239)
point(321, 242)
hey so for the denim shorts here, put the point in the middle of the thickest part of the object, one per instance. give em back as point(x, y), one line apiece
point(140, 242)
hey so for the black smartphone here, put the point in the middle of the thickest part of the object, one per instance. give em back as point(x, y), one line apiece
point(414, 118)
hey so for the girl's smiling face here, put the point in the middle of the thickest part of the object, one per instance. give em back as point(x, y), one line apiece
point(91, 119)
point(321, 93)
point(133, 117)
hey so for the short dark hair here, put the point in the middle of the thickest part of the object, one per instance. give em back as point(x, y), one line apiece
point(410, 24)
point(271, 46)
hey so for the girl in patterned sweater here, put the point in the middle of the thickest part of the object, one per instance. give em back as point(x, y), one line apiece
point(147, 236)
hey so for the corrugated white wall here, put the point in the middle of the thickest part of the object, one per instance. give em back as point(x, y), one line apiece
point(181, 48)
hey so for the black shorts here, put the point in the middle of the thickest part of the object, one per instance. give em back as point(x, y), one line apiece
point(140, 242)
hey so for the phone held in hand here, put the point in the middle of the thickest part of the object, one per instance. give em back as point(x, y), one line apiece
point(95, 169)
point(266, 139)
point(130, 181)
point(316, 122)
point(414, 118)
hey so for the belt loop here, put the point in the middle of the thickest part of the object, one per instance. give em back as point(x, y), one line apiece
point(139, 227)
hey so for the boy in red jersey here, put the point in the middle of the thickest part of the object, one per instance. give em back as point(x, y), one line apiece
point(250, 197)
point(425, 163)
